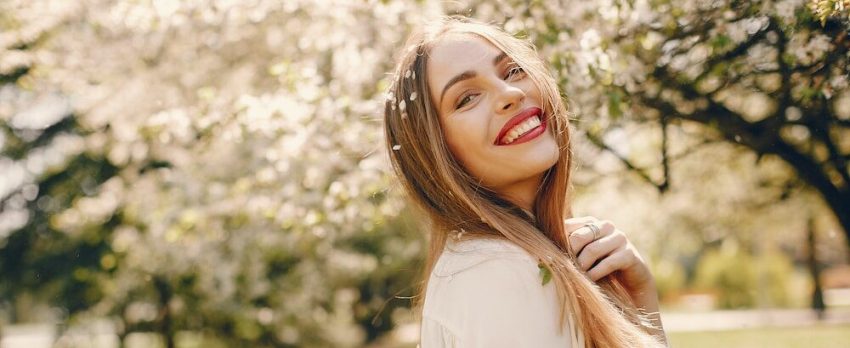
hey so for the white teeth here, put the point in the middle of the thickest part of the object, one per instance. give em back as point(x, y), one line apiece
point(520, 129)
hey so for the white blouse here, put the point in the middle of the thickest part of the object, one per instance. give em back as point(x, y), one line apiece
point(489, 293)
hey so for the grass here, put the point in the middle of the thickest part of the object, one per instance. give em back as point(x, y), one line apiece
point(817, 336)
point(821, 336)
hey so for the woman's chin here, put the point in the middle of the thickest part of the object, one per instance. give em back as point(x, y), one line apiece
point(544, 154)
point(537, 157)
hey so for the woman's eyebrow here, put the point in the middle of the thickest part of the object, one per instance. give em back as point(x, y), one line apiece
point(468, 75)
point(462, 76)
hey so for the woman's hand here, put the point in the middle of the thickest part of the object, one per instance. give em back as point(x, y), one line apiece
point(603, 251)
point(606, 251)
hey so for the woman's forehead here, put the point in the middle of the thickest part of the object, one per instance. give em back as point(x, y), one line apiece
point(462, 49)
point(455, 54)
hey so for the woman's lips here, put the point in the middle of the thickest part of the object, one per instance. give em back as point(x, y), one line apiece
point(518, 120)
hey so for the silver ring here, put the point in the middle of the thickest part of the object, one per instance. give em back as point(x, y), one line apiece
point(594, 229)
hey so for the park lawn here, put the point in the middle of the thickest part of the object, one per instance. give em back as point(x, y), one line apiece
point(821, 336)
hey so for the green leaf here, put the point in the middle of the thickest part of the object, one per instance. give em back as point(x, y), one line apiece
point(720, 42)
point(614, 107)
point(545, 273)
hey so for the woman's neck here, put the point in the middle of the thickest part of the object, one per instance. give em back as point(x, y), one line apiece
point(522, 193)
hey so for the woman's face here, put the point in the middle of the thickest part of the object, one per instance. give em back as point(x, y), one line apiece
point(491, 114)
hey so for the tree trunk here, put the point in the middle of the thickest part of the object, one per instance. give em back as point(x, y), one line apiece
point(837, 198)
point(166, 328)
point(814, 269)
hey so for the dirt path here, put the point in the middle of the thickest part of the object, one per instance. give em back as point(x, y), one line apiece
point(742, 319)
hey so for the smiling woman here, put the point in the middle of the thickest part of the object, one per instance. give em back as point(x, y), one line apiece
point(490, 115)
point(479, 138)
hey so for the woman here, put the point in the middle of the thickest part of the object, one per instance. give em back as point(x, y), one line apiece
point(478, 135)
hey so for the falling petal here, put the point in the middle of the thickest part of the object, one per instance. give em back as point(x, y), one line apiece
point(396, 147)
point(413, 75)
point(413, 96)
point(401, 105)
point(407, 74)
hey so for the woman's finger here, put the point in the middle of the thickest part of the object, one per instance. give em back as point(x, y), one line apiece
point(575, 223)
point(584, 235)
point(598, 249)
point(620, 259)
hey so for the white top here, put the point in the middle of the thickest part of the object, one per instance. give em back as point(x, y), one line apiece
point(489, 293)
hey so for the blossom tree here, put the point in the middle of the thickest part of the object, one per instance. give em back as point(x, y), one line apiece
point(220, 168)
point(216, 166)
point(770, 76)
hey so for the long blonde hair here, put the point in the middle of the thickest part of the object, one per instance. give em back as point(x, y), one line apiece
point(454, 200)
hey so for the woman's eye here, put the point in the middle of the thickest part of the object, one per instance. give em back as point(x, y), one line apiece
point(465, 100)
point(514, 71)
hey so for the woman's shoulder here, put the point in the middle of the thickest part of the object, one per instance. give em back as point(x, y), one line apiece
point(475, 255)
point(469, 268)
point(489, 293)
point(471, 272)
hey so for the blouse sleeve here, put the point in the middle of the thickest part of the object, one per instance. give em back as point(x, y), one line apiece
point(498, 303)
point(435, 335)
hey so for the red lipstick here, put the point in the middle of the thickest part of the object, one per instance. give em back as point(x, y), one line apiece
point(516, 120)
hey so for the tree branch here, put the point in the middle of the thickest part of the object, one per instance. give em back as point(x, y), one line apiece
point(736, 52)
point(736, 129)
point(596, 140)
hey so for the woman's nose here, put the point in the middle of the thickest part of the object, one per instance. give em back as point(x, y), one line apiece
point(509, 97)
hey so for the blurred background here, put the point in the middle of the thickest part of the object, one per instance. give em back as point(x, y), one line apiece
point(210, 173)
